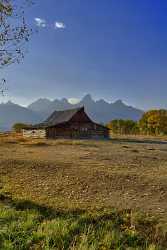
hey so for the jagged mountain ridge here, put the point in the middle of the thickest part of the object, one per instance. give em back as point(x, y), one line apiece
point(100, 111)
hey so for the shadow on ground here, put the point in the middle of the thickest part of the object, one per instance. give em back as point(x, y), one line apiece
point(141, 141)
point(27, 225)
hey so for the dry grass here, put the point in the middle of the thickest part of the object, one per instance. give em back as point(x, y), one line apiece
point(87, 174)
point(62, 193)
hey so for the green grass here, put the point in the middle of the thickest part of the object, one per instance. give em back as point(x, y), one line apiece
point(26, 225)
point(66, 184)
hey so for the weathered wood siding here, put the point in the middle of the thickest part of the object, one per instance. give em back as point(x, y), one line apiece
point(78, 127)
point(34, 133)
point(78, 130)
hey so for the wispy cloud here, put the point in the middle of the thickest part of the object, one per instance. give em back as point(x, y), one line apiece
point(40, 22)
point(59, 25)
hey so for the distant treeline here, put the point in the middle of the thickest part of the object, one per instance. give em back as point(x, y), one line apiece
point(153, 122)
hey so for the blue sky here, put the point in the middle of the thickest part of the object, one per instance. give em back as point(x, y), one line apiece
point(112, 49)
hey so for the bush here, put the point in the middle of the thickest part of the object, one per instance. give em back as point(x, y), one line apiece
point(17, 127)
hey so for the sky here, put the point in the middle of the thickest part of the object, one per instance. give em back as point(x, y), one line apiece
point(112, 49)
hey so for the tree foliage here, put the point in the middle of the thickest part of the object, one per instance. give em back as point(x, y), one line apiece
point(17, 127)
point(153, 122)
point(14, 31)
point(123, 127)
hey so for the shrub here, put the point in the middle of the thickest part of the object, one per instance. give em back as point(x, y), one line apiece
point(17, 127)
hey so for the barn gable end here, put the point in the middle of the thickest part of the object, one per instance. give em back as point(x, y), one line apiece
point(81, 117)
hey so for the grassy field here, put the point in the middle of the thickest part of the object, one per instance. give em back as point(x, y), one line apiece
point(67, 194)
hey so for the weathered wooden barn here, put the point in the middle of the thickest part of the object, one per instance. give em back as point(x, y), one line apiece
point(73, 123)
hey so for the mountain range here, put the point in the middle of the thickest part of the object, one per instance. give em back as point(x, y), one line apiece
point(100, 111)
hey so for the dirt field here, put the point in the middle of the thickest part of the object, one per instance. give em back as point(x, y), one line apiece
point(120, 173)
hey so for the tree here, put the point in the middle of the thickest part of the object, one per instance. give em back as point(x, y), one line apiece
point(130, 127)
point(17, 127)
point(154, 122)
point(14, 32)
point(123, 127)
point(113, 125)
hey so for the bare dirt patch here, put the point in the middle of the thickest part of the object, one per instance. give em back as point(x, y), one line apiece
point(119, 173)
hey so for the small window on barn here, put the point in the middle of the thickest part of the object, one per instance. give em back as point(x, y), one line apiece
point(95, 127)
point(84, 129)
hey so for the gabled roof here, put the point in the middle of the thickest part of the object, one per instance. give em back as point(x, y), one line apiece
point(58, 117)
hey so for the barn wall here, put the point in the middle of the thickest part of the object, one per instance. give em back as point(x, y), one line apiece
point(78, 130)
point(58, 132)
point(34, 133)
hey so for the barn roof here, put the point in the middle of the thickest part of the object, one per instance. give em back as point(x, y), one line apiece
point(58, 117)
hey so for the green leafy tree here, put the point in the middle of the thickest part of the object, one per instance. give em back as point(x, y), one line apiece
point(121, 126)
